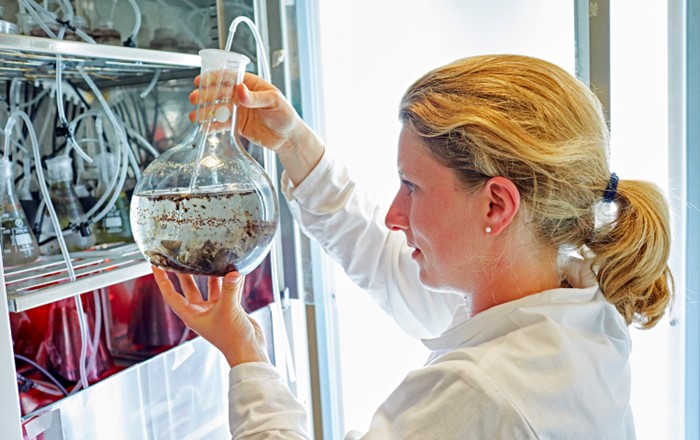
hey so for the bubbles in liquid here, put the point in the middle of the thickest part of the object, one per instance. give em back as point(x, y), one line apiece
point(203, 233)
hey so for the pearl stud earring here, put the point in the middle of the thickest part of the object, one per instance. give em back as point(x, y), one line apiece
point(488, 229)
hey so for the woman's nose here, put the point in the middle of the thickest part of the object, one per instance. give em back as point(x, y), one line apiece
point(396, 218)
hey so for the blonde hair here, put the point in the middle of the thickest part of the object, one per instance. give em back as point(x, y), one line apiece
point(530, 121)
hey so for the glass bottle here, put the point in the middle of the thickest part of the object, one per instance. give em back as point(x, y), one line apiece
point(68, 208)
point(29, 26)
point(164, 39)
point(19, 245)
point(114, 227)
point(105, 33)
point(205, 207)
point(6, 27)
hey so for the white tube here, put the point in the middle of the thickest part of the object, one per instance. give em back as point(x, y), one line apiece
point(141, 140)
point(97, 330)
point(137, 23)
point(45, 191)
point(32, 8)
point(264, 64)
point(83, 324)
point(150, 85)
point(262, 51)
point(122, 141)
point(45, 126)
point(72, 144)
point(101, 201)
point(34, 100)
point(56, 224)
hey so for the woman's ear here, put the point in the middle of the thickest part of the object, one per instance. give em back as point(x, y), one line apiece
point(504, 201)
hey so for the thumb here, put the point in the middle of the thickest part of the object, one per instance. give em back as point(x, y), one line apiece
point(250, 99)
point(232, 288)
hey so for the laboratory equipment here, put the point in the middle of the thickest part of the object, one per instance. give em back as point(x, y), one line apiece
point(6, 27)
point(206, 207)
point(60, 350)
point(68, 209)
point(19, 245)
point(105, 33)
point(114, 227)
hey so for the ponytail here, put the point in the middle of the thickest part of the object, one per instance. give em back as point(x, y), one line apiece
point(630, 254)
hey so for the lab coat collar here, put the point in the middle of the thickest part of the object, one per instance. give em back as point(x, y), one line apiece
point(508, 317)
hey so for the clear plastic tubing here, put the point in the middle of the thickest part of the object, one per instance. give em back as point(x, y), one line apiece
point(265, 68)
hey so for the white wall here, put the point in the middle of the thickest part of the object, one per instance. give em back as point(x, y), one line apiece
point(372, 51)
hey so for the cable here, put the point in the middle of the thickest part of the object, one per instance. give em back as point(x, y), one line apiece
point(83, 325)
point(129, 42)
point(43, 371)
point(97, 329)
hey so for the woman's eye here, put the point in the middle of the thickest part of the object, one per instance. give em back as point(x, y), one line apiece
point(408, 185)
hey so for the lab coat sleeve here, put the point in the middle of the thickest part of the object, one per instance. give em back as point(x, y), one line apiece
point(261, 406)
point(349, 226)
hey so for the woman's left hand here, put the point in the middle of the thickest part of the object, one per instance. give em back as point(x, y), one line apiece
point(220, 319)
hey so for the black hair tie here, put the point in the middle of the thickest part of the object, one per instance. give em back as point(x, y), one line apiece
point(611, 190)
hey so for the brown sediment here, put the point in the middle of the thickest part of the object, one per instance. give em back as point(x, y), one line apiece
point(212, 259)
point(201, 240)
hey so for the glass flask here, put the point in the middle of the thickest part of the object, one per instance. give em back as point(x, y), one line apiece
point(114, 227)
point(60, 349)
point(205, 207)
point(105, 33)
point(19, 245)
point(68, 209)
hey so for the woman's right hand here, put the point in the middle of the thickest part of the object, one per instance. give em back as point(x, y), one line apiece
point(266, 118)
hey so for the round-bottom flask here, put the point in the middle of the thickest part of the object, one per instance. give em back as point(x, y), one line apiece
point(205, 207)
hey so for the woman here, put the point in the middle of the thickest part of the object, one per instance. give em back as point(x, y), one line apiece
point(497, 242)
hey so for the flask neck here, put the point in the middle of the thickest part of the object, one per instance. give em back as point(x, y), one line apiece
point(221, 71)
point(7, 185)
point(218, 114)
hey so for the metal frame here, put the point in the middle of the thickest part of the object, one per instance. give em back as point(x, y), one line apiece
point(678, 184)
point(692, 243)
point(9, 412)
point(321, 311)
point(592, 27)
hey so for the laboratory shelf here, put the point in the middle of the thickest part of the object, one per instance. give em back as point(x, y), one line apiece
point(48, 280)
point(34, 58)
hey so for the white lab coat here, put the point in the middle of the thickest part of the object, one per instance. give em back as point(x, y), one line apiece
point(553, 365)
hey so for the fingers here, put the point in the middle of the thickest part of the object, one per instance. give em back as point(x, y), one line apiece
point(255, 83)
point(263, 99)
point(170, 295)
point(232, 288)
point(214, 285)
point(189, 288)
